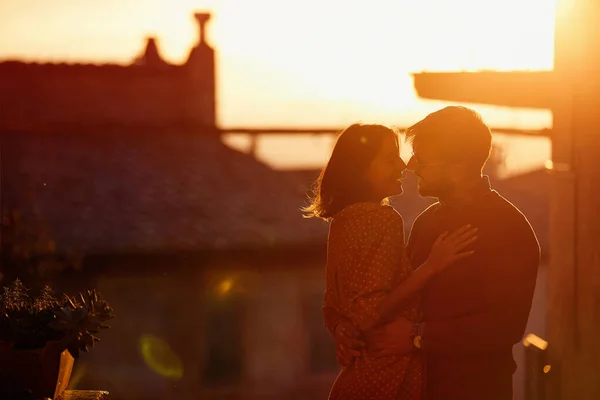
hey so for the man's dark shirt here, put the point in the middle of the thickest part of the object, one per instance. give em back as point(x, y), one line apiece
point(475, 311)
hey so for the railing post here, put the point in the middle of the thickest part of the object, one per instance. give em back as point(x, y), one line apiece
point(537, 368)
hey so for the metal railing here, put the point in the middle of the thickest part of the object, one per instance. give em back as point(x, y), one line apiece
point(537, 367)
point(330, 131)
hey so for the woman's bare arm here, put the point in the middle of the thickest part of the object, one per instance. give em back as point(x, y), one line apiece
point(446, 250)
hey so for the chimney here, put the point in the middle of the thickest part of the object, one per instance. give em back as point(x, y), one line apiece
point(152, 56)
point(202, 19)
point(201, 88)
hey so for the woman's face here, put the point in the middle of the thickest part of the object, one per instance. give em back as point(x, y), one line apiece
point(386, 171)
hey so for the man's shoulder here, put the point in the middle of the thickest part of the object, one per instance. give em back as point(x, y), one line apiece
point(512, 224)
point(509, 217)
point(507, 211)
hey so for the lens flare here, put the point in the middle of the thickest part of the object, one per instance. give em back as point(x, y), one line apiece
point(160, 358)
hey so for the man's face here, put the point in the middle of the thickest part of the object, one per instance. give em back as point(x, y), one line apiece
point(435, 175)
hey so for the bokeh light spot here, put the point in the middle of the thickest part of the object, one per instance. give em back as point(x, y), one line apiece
point(225, 287)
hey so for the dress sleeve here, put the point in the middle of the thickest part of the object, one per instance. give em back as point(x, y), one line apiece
point(368, 281)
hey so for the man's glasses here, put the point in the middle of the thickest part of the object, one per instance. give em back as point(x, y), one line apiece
point(414, 163)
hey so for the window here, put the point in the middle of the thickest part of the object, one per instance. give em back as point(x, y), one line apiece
point(223, 341)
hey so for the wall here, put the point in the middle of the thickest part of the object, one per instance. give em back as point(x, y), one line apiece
point(276, 308)
point(88, 95)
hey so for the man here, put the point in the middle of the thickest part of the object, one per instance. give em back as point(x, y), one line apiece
point(475, 311)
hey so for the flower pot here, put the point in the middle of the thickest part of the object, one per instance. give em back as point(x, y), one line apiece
point(42, 372)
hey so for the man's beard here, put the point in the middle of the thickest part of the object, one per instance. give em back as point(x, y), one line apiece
point(439, 189)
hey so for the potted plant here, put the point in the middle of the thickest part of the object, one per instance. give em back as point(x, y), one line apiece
point(40, 336)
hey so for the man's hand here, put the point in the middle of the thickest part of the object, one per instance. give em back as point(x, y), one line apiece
point(348, 343)
point(390, 339)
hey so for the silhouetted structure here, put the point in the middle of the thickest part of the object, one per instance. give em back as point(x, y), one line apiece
point(513, 88)
point(148, 93)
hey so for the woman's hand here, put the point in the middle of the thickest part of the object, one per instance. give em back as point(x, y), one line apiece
point(449, 248)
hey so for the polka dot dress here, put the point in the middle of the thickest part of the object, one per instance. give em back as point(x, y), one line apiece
point(365, 260)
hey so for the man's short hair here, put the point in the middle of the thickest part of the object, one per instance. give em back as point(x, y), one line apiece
point(458, 132)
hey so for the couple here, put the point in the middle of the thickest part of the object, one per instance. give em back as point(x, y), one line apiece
point(435, 319)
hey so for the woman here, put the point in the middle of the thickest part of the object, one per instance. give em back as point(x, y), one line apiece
point(369, 278)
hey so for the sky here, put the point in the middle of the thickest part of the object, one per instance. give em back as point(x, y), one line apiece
point(313, 63)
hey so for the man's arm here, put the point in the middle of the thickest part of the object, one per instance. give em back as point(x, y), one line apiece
point(509, 286)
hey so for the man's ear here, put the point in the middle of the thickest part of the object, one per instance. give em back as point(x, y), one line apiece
point(462, 172)
point(456, 172)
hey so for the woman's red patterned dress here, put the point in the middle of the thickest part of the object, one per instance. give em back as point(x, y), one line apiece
point(365, 260)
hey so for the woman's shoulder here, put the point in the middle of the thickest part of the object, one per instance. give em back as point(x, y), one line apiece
point(382, 215)
point(389, 217)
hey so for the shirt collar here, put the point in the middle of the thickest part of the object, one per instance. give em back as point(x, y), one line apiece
point(472, 196)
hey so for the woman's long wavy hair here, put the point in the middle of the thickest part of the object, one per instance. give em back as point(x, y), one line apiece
point(342, 181)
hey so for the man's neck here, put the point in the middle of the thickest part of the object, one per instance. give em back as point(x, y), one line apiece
point(467, 191)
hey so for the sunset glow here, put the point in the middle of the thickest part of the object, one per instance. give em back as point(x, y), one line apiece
point(313, 63)
point(331, 50)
